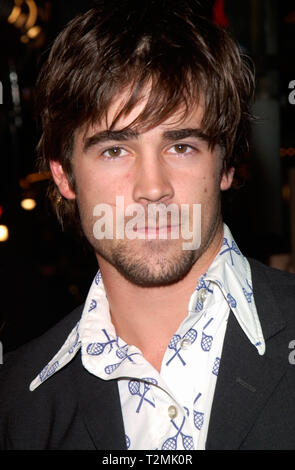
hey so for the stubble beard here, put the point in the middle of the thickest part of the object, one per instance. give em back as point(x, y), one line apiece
point(151, 263)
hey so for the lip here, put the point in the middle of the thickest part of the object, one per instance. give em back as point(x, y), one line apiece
point(163, 230)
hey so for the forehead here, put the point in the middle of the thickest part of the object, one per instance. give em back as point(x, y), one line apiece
point(134, 117)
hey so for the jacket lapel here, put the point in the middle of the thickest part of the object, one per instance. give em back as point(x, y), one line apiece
point(246, 379)
point(99, 404)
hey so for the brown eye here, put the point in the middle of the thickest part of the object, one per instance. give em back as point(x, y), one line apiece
point(181, 148)
point(114, 152)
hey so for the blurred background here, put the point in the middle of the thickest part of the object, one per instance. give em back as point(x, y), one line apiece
point(45, 272)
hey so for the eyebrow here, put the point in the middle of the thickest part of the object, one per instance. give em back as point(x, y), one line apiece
point(179, 134)
point(105, 136)
point(131, 134)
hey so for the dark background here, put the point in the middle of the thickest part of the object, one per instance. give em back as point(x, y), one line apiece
point(44, 272)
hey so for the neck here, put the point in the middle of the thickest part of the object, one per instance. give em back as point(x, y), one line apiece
point(147, 317)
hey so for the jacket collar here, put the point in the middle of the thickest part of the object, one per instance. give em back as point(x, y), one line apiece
point(99, 404)
point(246, 380)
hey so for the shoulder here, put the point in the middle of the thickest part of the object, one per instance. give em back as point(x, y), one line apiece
point(261, 272)
point(32, 355)
point(274, 293)
point(18, 370)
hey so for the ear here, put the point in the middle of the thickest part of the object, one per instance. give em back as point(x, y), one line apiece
point(61, 180)
point(227, 179)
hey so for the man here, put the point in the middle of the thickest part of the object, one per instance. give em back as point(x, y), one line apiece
point(179, 346)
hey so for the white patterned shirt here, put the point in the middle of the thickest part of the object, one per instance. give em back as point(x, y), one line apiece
point(169, 410)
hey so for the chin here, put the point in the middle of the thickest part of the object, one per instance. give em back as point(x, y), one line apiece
point(157, 267)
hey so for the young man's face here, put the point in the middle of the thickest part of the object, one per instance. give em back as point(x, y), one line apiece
point(153, 167)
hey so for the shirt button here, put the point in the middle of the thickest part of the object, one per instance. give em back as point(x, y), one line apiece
point(185, 343)
point(172, 411)
point(202, 295)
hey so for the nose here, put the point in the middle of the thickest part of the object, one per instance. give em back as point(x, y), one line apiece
point(152, 182)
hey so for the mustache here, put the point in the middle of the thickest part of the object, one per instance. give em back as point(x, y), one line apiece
point(154, 215)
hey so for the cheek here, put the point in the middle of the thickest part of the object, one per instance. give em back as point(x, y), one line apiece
point(88, 190)
point(95, 187)
point(197, 189)
point(210, 186)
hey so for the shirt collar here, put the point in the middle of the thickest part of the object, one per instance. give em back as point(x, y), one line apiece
point(94, 333)
point(230, 270)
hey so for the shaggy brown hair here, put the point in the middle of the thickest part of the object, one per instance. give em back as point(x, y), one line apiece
point(128, 44)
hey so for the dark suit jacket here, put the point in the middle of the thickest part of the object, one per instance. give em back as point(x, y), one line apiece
point(253, 407)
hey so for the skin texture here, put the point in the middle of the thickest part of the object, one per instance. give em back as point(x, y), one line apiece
point(139, 275)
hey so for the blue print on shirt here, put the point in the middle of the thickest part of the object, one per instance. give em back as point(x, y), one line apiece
point(229, 249)
point(121, 353)
point(207, 340)
point(247, 294)
point(93, 305)
point(198, 415)
point(171, 442)
point(95, 349)
point(141, 388)
point(231, 300)
point(48, 371)
point(199, 305)
point(191, 335)
point(216, 366)
point(203, 284)
point(98, 278)
point(127, 438)
point(72, 349)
